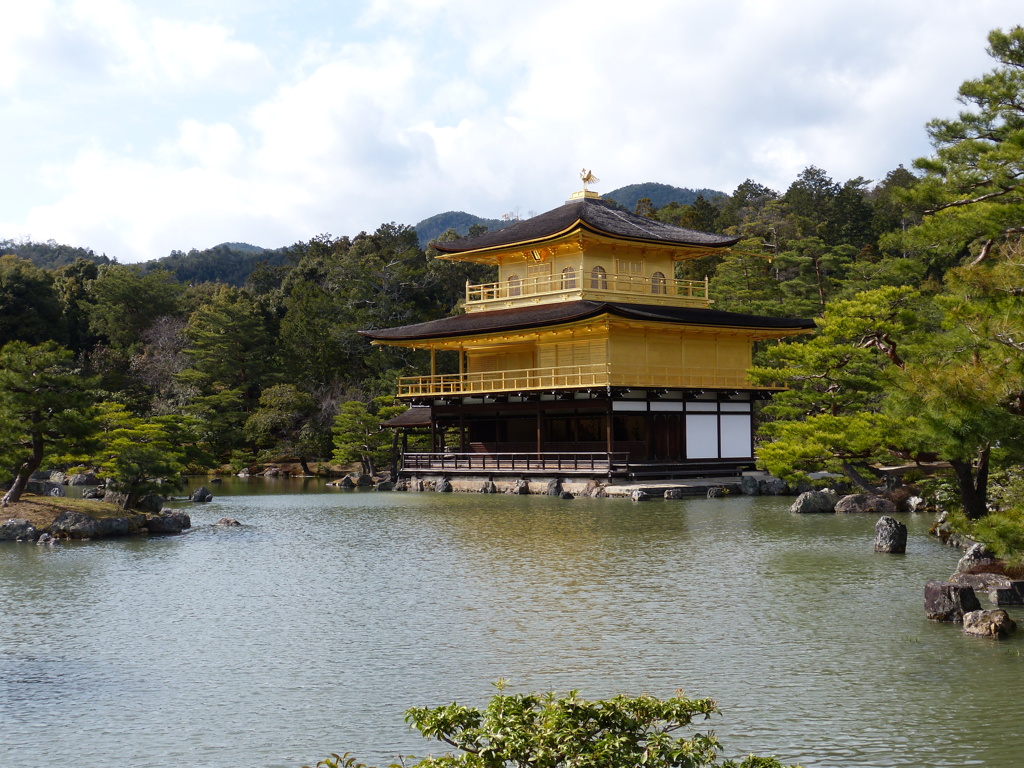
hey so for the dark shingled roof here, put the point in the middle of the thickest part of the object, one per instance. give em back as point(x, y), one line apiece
point(595, 215)
point(417, 416)
point(521, 318)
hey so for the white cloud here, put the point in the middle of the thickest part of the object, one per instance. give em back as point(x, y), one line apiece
point(424, 106)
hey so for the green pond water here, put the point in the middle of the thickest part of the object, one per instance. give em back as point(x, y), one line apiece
point(315, 625)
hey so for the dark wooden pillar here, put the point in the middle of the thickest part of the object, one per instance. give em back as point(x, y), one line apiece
point(540, 428)
point(608, 428)
point(433, 431)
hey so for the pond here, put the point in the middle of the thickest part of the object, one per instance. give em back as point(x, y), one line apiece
point(311, 628)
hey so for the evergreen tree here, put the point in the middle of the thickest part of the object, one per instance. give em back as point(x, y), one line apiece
point(972, 191)
point(46, 408)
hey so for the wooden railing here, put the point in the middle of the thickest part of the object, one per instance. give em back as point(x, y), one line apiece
point(610, 287)
point(516, 462)
point(573, 377)
point(504, 381)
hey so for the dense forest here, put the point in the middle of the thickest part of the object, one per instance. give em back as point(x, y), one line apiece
point(916, 280)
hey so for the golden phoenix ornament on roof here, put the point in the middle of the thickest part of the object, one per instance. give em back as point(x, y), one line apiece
point(588, 177)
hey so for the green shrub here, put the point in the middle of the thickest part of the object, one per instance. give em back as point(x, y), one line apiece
point(548, 731)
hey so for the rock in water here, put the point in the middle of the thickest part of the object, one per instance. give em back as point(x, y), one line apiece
point(639, 496)
point(749, 486)
point(554, 488)
point(444, 485)
point(858, 503)
point(673, 494)
point(995, 623)
point(773, 486)
point(890, 536)
point(815, 502)
point(977, 554)
point(566, 495)
point(74, 525)
point(201, 494)
point(228, 522)
point(17, 529)
point(1011, 594)
point(488, 487)
point(948, 602)
point(169, 521)
point(521, 488)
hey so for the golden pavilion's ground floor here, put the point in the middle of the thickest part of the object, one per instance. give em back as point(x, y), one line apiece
point(610, 432)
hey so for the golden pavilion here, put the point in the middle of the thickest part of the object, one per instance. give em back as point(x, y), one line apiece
point(587, 357)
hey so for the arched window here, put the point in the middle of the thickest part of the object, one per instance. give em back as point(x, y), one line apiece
point(514, 285)
point(568, 278)
point(658, 283)
point(599, 278)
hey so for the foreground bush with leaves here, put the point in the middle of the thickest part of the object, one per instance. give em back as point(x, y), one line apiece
point(548, 731)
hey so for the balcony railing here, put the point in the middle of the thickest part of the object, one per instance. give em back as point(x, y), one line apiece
point(573, 377)
point(589, 285)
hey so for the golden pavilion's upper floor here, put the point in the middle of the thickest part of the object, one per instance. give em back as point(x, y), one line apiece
point(586, 250)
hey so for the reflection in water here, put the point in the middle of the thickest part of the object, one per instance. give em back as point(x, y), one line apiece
point(311, 629)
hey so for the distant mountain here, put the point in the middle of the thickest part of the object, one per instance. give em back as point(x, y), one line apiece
point(230, 263)
point(460, 221)
point(660, 194)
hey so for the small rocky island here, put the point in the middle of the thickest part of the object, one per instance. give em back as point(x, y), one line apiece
point(46, 515)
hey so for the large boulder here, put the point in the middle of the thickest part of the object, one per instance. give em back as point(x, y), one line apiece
point(594, 489)
point(674, 494)
point(444, 485)
point(363, 481)
point(815, 502)
point(202, 494)
point(75, 525)
point(981, 582)
point(84, 478)
point(890, 536)
point(93, 492)
point(488, 487)
point(168, 521)
point(56, 476)
point(860, 503)
point(521, 487)
point(17, 529)
point(749, 486)
point(384, 485)
point(44, 488)
point(1012, 594)
point(228, 522)
point(566, 495)
point(977, 555)
point(554, 488)
point(773, 486)
point(639, 495)
point(948, 602)
point(995, 623)
point(151, 502)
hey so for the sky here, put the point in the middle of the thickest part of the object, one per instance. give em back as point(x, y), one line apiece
point(138, 127)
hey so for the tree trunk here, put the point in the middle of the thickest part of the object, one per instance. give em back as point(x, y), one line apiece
point(974, 502)
point(857, 478)
point(30, 465)
point(304, 465)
